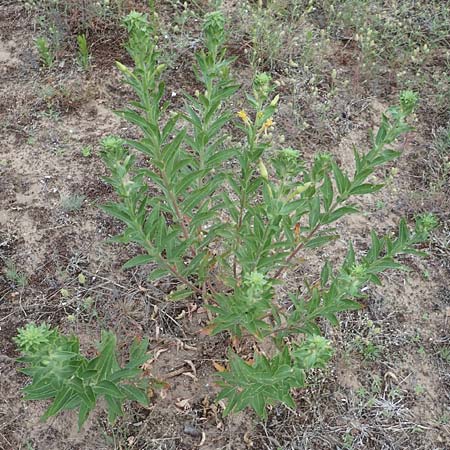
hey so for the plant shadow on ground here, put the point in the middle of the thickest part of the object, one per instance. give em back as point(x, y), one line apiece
point(388, 383)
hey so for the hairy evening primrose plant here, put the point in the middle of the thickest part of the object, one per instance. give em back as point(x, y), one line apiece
point(227, 221)
point(61, 373)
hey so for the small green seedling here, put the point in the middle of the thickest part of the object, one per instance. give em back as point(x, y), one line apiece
point(14, 275)
point(419, 389)
point(45, 51)
point(83, 52)
point(82, 279)
point(86, 151)
point(72, 202)
point(60, 373)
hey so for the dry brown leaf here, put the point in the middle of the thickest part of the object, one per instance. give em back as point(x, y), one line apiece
point(155, 312)
point(391, 375)
point(203, 439)
point(247, 439)
point(222, 404)
point(206, 331)
point(190, 347)
point(191, 365)
point(158, 352)
point(163, 392)
point(150, 392)
point(181, 315)
point(183, 403)
point(219, 367)
point(192, 307)
point(190, 375)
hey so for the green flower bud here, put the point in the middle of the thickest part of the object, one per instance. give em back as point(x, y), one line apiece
point(33, 338)
point(111, 143)
point(426, 223)
point(214, 28)
point(256, 280)
point(274, 102)
point(262, 85)
point(408, 101)
point(304, 187)
point(315, 352)
point(263, 169)
point(160, 69)
point(124, 69)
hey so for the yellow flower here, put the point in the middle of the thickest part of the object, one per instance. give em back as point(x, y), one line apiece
point(243, 116)
point(267, 124)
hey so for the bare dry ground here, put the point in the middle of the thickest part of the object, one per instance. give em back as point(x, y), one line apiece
point(388, 386)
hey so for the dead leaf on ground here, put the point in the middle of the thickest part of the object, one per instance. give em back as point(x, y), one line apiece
point(183, 403)
point(219, 367)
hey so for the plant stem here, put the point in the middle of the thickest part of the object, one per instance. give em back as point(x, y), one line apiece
point(295, 251)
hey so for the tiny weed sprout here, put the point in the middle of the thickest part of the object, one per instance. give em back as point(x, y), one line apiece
point(12, 274)
point(83, 52)
point(86, 151)
point(233, 213)
point(72, 202)
point(62, 374)
point(46, 55)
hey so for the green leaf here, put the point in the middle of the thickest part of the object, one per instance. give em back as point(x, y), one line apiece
point(117, 211)
point(170, 150)
point(327, 192)
point(320, 241)
point(366, 188)
point(107, 388)
point(314, 213)
point(342, 182)
point(325, 273)
point(382, 131)
point(139, 260)
point(85, 392)
point(138, 354)
point(144, 146)
point(220, 157)
point(83, 414)
point(133, 393)
point(124, 374)
point(134, 117)
point(403, 234)
point(337, 214)
point(386, 156)
point(350, 257)
point(63, 398)
point(180, 294)
point(383, 264)
point(41, 390)
point(157, 274)
point(106, 362)
point(169, 126)
point(114, 408)
point(259, 406)
point(189, 180)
